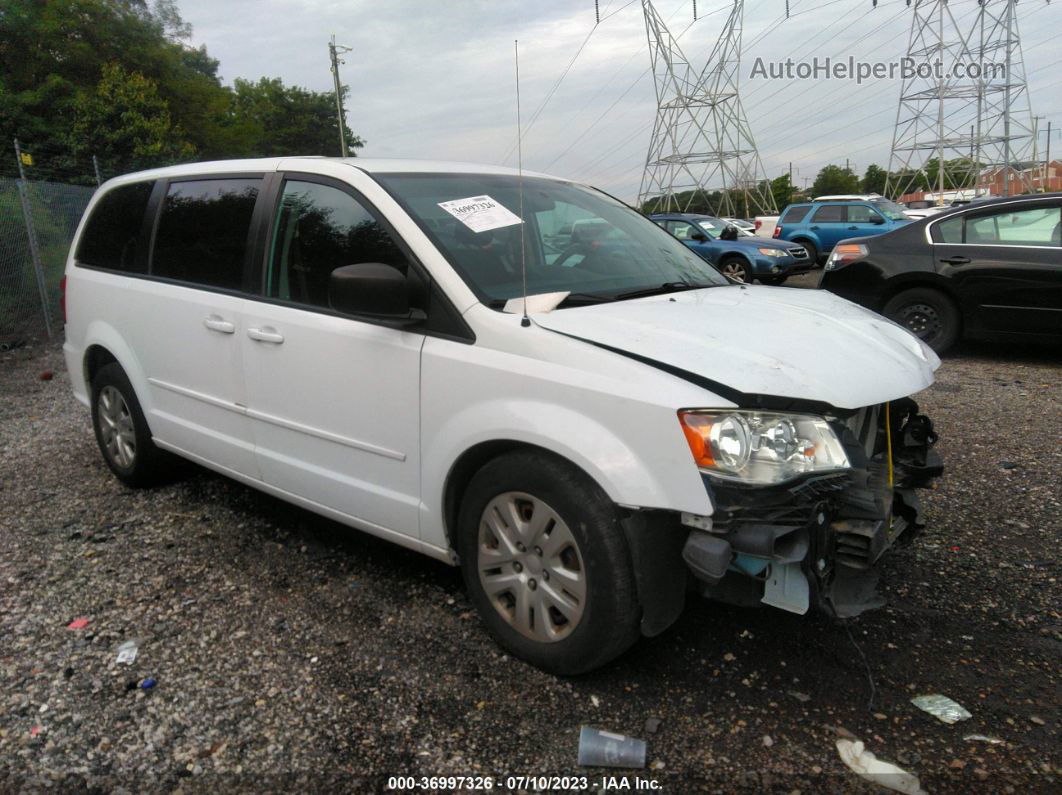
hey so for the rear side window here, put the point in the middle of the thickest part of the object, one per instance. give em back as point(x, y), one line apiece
point(795, 214)
point(949, 231)
point(829, 213)
point(202, 232)
point(113, 231)
point(318, 229)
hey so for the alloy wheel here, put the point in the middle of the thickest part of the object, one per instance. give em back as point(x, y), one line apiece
point(116, 427)
point(735, 270)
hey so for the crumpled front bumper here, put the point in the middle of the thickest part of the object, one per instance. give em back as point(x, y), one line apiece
point(816, 540)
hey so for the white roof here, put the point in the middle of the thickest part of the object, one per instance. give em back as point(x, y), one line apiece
point(370, 165)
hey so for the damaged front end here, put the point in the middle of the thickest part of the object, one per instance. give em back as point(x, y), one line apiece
point(815, 539)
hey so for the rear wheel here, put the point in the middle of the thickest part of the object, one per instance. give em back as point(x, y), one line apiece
point(122, 432)
point(546, 563)
point(813, 252)
point(927, 313)
point(736, 269)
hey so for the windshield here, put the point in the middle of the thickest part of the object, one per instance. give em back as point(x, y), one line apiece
point(890, 210)
point(576, 239)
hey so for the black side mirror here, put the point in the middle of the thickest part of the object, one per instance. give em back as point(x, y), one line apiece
point(372, 289)
point(877, 219)
point(700, 237)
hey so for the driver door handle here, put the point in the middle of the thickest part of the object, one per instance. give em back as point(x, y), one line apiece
point(813, 228)
point(266, 334)
point(853, 228)
point(956, 260)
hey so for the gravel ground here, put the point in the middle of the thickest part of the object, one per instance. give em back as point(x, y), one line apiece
point(290, 652)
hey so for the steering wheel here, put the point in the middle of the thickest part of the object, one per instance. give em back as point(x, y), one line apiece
point(569, 252)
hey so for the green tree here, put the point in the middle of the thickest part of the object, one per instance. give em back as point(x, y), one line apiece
point(287, 120)
point(835, 180)
point(127, 124)
point(782, 190)
point(874, 179)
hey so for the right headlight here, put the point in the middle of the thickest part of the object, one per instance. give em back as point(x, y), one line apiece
point(760, 447)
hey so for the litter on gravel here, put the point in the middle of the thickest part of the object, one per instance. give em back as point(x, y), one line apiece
point(78, 623)
point(605, 749)
point(127, 653)
point(869, 767)
point(941, 707)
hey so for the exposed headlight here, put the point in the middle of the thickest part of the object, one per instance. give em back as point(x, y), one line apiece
point(761, 447)
point(845, 254)
point(773, 252)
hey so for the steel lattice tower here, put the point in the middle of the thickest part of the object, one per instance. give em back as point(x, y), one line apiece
point(977, 121)
point(701, 138)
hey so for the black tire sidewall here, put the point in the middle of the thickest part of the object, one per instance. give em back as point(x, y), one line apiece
point(812, 249)
point(946, 310)
point(611, 616)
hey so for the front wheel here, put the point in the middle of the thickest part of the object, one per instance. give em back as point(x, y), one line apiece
point(737, 269)
point(813, 252)
point(928, 314)
point(546, 563)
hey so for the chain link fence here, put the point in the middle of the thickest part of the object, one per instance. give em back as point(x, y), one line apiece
point(38, 218)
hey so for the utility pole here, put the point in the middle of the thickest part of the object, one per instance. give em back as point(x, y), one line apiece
point(1047, 155)
point(334, 51)
point(96, 168)
point(1036, 148)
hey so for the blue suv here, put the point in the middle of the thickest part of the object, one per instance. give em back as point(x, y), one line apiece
point(733, 251)
point(820, 224)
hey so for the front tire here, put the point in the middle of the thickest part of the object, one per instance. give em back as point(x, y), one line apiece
point(736, 269)
point(122, 432)
point(812, 249)
point(928, 314)
point(546, 563)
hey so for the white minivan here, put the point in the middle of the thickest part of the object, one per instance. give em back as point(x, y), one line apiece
point(516, 374)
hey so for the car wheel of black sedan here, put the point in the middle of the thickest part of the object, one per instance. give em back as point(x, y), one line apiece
point(927, 313)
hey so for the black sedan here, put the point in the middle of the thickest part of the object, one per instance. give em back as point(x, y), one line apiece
point(986, 270)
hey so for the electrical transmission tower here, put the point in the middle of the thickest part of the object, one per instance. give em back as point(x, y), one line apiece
point(964, 103)
point(701, 138)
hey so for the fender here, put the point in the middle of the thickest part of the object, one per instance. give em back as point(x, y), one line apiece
point(104, 335)
point(627, 476)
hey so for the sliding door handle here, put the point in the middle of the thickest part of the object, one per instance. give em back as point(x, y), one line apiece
point(266, 334)
point(219, 324)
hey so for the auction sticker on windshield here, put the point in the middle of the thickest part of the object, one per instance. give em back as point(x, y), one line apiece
point(480, 213)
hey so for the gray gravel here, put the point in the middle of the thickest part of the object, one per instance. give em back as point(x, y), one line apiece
point(290, 652)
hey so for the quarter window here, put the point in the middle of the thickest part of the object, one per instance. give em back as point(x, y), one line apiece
point(203, 231)
point(318, 229)
point(950, 231)
point(829, 213)
point(794, 214)
point(111, 234)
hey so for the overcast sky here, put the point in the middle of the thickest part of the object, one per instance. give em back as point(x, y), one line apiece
point(434, 78)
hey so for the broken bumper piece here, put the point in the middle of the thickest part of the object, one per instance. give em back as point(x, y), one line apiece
point(816, 540)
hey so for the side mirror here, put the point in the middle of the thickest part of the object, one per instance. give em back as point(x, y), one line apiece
point(372, 289)
point(877, 219)
point(700, 237)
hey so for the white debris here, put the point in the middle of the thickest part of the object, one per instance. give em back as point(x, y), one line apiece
point(869, 767)
point(127, 652)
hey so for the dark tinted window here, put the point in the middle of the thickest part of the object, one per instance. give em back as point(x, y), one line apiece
point(111, 234)
point(318, 229)
point(202, 234)
point(949, 231)
point(829, 213)
point(794, 214)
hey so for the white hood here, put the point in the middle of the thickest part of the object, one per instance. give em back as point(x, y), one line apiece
point(791, 343)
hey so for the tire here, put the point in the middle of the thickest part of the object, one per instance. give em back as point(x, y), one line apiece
point(927, 313)
point(122, 432)
point(812, 249)
point(737, 269)
point(565, 509)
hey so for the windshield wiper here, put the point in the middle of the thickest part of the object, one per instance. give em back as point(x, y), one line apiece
point(572, 299)
point(660, 289)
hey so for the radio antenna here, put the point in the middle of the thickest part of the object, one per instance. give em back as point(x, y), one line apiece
point(525, 321)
